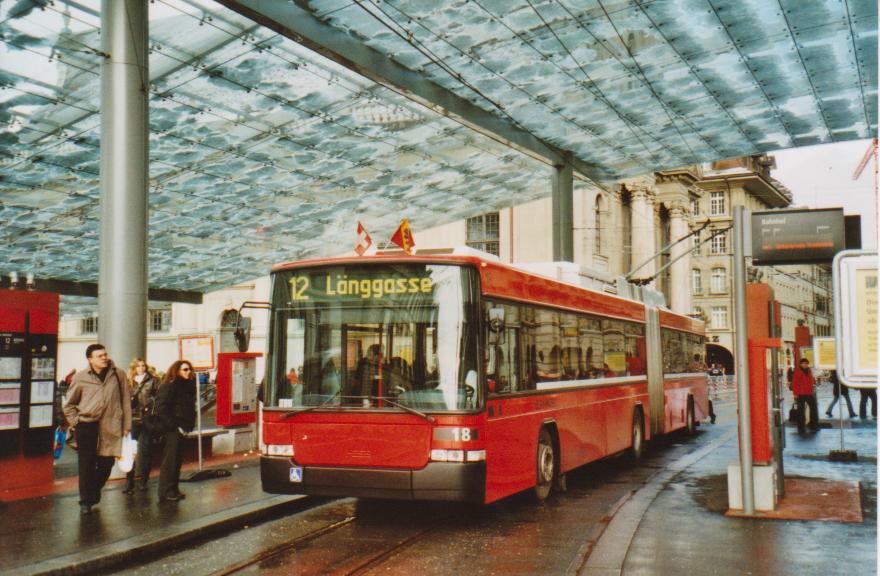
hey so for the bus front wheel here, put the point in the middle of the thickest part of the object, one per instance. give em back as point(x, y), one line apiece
point(545, 465)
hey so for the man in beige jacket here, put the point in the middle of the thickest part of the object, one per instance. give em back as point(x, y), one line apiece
point(98, 409)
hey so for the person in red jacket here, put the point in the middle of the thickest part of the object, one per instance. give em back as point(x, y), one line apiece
point(802, 384)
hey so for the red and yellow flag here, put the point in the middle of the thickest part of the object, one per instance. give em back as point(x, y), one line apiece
point(403, 237)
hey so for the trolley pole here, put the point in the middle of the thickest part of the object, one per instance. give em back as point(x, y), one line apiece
point(742, 360)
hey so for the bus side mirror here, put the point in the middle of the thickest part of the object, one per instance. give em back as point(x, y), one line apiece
point(496, 325)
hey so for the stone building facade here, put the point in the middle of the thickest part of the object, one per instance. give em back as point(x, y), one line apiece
point(618, 230)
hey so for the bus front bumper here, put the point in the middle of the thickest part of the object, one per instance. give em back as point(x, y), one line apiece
point(464, 482)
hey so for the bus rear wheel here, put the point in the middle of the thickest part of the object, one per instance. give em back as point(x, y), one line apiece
point(545, 466)
point(637, 448)
point(691, 419)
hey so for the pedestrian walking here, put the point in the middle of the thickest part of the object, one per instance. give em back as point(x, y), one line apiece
point(863, 402)
point(803, 385)
point(839, 389)
point(98, 409)
point(142, 386)
point(715, 379)
point(176, 407)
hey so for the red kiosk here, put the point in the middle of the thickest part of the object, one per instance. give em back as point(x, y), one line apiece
point(236, 388)
point(28, 348)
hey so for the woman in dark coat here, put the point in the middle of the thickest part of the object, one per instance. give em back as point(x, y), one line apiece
point(177, 414)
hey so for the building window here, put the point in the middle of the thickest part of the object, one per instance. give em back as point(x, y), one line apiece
point(718, 244)
point(695, 206)
point(482, 233)
point(88, 325)
point(716, 204)
point(160, 320)
point(719, 317)
point(597, 249)
point(696, 281)
point(719, 280)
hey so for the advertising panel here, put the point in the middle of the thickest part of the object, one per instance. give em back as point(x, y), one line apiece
point(855, 307)
point(824, 347)
point(198, 350)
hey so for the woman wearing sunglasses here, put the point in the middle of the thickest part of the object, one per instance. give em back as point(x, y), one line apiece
point(177, 412)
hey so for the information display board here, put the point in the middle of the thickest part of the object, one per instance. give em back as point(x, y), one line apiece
point(797, 236)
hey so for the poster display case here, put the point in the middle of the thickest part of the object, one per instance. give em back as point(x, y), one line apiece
point(10, 393)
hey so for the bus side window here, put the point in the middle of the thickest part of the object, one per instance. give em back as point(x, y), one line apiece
point(513, 359)
point(496, 370)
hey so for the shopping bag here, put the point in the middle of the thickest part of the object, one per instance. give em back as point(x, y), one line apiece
point(71, 439)
point(129, 449)
point(58, 446)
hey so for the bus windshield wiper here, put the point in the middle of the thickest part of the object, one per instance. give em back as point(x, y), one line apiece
point(404, 407)
point(323, 404)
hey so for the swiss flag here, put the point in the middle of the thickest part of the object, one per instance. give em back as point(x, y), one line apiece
point(403, 237)
point(363, 240)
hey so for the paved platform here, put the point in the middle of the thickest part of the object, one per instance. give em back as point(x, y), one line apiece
point(678, 523)
point(43, 532)
point(674, 524)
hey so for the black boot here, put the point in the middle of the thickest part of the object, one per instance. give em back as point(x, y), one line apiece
point(129, 484)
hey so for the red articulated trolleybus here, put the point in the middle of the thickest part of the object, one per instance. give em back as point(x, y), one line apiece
point(456, 377)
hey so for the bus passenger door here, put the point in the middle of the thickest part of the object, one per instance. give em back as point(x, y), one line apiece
point(510, 447)
point(656, 395)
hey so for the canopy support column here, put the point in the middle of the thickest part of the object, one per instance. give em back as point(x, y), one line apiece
point(122, 281)
point(563, 214)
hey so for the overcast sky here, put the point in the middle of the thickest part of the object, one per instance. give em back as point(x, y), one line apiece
point(821, 177)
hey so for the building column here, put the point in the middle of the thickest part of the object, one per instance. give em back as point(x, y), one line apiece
point(563, 214)
point(679, 271)
point(643, 245)
point(122, 281)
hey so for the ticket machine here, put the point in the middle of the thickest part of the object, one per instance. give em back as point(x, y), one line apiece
point(237, 388)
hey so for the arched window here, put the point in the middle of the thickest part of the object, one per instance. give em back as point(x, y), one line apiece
point(228, 322)
point(626, 230)
point(597, 248)
point(229, 319)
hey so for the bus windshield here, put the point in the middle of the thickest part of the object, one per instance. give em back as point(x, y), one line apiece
point(375, 336)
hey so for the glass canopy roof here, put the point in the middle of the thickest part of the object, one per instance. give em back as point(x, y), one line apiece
point(262, 150)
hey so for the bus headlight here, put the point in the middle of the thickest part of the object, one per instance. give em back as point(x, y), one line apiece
point(442, 455)
point(476, 455)
point(279, 450)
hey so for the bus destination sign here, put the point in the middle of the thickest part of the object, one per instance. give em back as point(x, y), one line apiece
point(797, 236)
point(362, 283)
